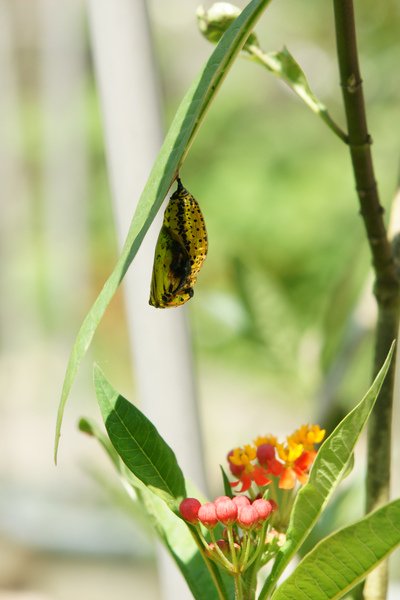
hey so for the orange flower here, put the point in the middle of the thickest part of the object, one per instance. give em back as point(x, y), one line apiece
point(308, 435)
point(266, 439)
point(240, 464)
point(252, 473)
point(297, 463)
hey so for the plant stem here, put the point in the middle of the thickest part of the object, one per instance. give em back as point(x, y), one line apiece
point(238, 587)
point(212, 568)
point(387, 283)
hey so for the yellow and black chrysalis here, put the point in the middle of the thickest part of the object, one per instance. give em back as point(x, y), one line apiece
point(180, 251)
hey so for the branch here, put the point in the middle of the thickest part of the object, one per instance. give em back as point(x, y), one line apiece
point(387, 282)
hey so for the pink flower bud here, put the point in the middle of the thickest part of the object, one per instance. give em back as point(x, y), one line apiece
point(265, 452)
point(221, 499)
point(247, 517)
point(241, 501)
point(189, 508)
point(263, 507)
point(226, 510)
point(207, 515)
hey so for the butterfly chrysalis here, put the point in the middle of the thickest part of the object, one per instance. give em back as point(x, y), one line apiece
point(180, 251)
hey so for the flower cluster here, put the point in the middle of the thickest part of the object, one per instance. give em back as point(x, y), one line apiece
point(269, 460)
point(243, 527)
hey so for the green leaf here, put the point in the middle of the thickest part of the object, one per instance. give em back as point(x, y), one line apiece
point(139, 444)
point(286, 67)
point(327, 471)
point(227, 486)
point(344, 558)
point(283, 65)
point(201, 575)
point(184, 127)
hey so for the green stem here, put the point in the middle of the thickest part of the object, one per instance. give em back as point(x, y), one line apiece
point(232, 548)
point(224, 561)
point(238, 587)
point(246, 550)
point(211, 567)
point(270, 63)
point(387, 283)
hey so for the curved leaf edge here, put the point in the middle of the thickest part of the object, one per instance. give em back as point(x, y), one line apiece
point(324, 546)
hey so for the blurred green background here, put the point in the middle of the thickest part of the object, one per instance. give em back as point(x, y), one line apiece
point(279, 330)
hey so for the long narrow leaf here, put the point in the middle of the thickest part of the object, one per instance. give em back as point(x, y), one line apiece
point(172, 154)
point(344, 558)
point(328, 469)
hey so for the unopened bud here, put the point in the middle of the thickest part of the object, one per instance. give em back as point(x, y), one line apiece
point(247, 517)
point(215, 21)
point(263, 507)
point(226, 510)
point(207, 515)
point(189, 509)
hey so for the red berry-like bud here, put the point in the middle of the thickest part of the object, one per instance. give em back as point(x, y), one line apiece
point(263, 507)
point(189, 508)
point(241, 501)
point(207, 515)
point(226, 510)
point(247, 517)
point(265, 452)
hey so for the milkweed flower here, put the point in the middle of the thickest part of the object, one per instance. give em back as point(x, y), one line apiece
point(241, 464)
point(308, 435)
point(289, 462)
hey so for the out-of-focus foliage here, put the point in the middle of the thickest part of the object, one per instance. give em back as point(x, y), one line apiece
point(277, 192)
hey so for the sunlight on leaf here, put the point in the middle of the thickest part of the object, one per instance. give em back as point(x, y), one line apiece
point(344, 558)
point(327, 471)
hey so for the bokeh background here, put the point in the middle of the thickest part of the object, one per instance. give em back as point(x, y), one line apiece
point(282, 321)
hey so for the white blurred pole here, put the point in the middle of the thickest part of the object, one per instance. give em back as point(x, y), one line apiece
point(16, 231)
point(65, 161)
point(133, 133)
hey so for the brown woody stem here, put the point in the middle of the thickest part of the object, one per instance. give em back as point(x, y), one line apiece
point(387, 290)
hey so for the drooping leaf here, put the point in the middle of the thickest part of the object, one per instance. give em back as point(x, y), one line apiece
point(139, 444)
point(184, 127)
point(200, 576)
point(290, 71)
point(327, 471)
point(283, 65)
point(344, 558)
